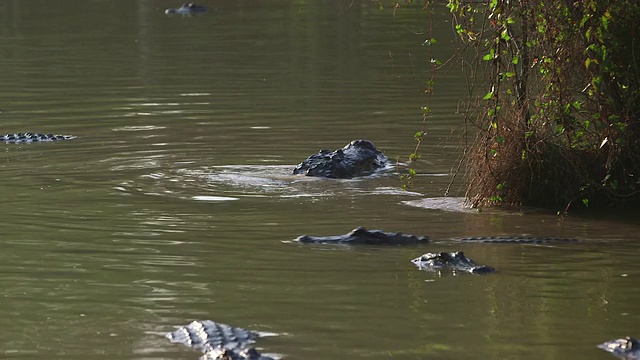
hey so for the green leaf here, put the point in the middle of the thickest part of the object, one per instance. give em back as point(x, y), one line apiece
point(605, 22)
point(429, 42)
point(505, 35)
point(488, 96)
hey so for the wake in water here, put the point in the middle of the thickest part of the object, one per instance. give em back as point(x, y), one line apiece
point(232, 182)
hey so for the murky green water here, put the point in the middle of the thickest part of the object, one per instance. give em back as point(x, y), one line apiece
point(175, 201)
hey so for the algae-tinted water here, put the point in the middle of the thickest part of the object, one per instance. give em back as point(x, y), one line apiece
point(175, 202)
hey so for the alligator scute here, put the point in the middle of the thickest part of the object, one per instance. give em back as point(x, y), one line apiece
point(20, 138)
point(218, 341)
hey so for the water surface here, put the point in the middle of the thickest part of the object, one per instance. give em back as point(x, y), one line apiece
point(176, 201)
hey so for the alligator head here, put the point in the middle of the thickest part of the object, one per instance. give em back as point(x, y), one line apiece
point(358, 158)
point(361, 235)
point(450, 260)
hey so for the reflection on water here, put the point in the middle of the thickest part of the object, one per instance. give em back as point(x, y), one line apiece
point(441, 203)
point(176, 201)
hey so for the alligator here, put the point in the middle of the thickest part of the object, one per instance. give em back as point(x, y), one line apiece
point(218, 341)
point(19, 138)
point(187, 9)
point(358, 158)
point(450, 260)
point(429, 261)
point(626, 348)
point(361, 235)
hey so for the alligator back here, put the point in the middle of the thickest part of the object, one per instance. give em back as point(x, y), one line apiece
point(29, 137)
point(218, 341)
point(199, 334)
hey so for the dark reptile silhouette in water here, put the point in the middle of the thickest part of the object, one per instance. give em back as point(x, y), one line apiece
point(29, 137)
point(224, 342)
point(361, 235)
point(357, 158)
point(455, 261)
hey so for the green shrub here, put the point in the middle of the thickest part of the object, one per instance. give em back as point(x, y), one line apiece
point(560, 117)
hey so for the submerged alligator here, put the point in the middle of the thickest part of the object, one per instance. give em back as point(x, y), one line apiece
point(430, 261)
point(28, 137)
point(361, 235)
point(455, 261)
point(358, 158)
point(187, 9)
point(626, 348)
point(218, 341)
